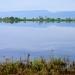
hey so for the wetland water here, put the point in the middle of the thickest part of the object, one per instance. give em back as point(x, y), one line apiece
point(45, 39)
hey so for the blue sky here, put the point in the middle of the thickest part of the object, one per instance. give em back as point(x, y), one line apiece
point(51, 5)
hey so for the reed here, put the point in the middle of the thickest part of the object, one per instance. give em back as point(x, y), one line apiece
point(41, 66)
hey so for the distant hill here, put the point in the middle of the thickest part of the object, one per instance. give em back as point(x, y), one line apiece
point(36, 13)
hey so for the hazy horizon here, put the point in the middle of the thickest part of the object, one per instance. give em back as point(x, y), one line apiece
point(24, 5)
point(36, 10)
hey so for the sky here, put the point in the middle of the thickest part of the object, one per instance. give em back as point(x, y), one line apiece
point(50, 5)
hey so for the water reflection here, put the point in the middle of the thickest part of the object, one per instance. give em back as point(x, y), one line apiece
point(36, 37)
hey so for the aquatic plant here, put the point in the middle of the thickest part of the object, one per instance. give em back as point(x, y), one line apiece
point(41, 66)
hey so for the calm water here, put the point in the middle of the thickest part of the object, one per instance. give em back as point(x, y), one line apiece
point(54, 39)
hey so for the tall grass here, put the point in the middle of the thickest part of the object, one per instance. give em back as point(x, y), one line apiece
point(41, 66)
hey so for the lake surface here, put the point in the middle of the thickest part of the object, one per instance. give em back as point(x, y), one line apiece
point(38, 39)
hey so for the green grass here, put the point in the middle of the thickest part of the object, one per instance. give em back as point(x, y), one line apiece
point(41, 66)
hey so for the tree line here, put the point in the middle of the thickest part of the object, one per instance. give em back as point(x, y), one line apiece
point(36, 19)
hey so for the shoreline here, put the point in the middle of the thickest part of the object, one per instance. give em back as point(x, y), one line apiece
point(37, 19)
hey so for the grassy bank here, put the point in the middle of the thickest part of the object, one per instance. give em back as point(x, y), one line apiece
point(53, 66)
point(37, 19)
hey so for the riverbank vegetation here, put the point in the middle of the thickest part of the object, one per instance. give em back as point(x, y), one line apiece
point(37, 19)
point(41, 66)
